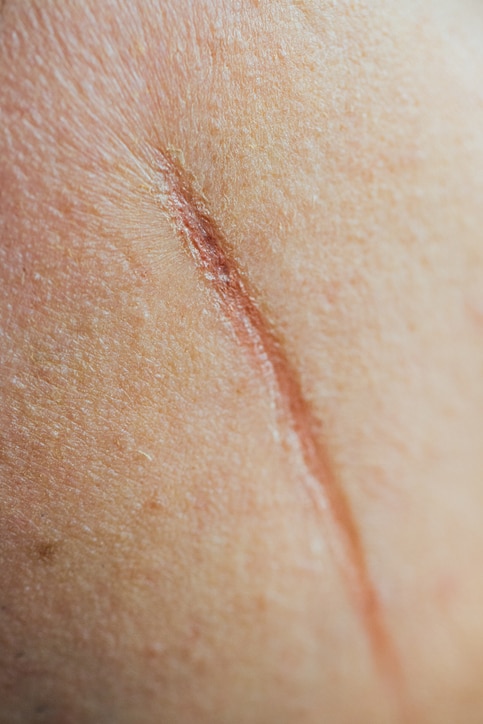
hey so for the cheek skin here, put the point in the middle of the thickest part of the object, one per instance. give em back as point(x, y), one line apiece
point(155, 529)
point(159, 551)
point(363, 206)
point(142, 532)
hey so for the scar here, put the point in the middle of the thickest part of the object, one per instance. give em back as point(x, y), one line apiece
point(205, 243)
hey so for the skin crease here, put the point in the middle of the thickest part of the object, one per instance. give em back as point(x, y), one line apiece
point(161, 559)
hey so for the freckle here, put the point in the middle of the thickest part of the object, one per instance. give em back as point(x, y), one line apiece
point(41, 709)
point(261, 603)
point(46, 550)
point(153, 505)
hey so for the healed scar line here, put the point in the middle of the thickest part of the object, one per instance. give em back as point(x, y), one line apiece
point(205, 243)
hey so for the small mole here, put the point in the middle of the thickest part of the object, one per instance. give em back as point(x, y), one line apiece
point(41, 709)
point(46, 550)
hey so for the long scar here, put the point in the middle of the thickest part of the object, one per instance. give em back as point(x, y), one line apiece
point(205, 243)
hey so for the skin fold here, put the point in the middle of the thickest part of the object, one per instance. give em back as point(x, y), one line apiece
point(241, 362)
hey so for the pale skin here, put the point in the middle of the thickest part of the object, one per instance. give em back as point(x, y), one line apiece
point(178, 479)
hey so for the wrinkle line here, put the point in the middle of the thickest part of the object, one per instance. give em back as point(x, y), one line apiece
point(205, 243)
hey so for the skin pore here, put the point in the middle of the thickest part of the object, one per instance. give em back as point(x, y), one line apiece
point(163, 558)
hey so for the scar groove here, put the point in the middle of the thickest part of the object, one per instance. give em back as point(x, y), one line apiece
point(205, 243)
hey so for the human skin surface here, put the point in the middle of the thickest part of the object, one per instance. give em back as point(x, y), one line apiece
point(241, 362)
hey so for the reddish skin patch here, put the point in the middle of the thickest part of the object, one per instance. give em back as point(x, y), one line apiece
point(475, 312)
point(207, 247)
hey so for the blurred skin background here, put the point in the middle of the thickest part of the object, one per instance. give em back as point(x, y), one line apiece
point(162, 558)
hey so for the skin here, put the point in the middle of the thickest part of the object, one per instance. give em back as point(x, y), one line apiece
point(166, 553)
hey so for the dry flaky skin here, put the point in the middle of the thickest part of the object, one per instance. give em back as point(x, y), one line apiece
point(161, 558)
